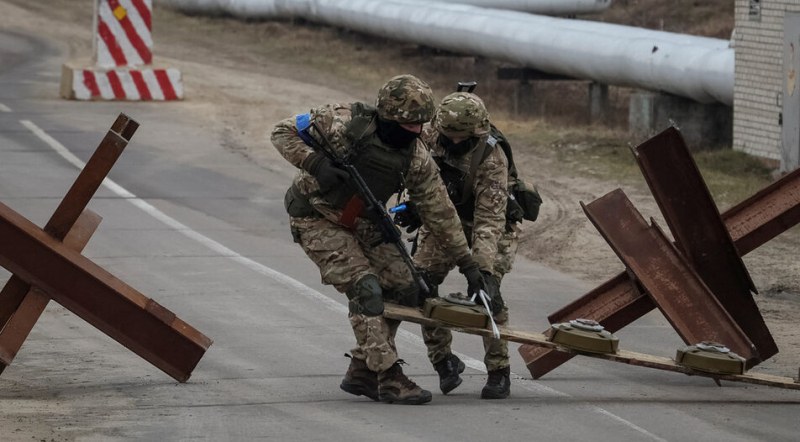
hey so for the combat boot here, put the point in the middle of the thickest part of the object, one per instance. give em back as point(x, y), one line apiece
point(360, 380)
point(395, 387)
point(449, 369)
point(498, 386)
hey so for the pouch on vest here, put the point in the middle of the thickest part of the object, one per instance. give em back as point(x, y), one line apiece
point(455, 314)
point(523, 203)
point(297, 205)
point(528, 197)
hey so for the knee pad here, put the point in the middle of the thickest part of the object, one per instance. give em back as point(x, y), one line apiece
point(366, 296)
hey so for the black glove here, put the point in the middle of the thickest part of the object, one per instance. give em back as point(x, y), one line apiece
point(408, 218)
point(432, 281)
point(472, 272)
point(493, 290)
point(322, 168)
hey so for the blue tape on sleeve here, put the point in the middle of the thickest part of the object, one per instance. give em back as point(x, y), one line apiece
point(302, 121)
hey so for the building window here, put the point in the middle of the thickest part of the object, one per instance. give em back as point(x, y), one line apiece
point(754, 12)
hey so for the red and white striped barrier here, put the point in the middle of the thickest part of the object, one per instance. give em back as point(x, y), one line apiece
point(123, 35)
point(122, 60)
point(143, 84)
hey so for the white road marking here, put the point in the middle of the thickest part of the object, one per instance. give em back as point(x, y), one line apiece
point(4, 108)
point(291, 282)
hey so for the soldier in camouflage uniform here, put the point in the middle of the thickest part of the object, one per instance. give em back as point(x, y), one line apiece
point(328, 222)
point(476, 173)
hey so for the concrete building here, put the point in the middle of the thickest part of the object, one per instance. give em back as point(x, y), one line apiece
point(766, 116)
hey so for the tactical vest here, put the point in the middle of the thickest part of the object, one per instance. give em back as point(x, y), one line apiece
point(523, 201)
point(383, 167)
point(453, 178)
point(455, 182)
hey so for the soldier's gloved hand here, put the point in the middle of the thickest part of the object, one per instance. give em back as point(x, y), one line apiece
point(322, 168)
point(493, 290)
point(432, 282)
point(408, 218)
point(472, 272)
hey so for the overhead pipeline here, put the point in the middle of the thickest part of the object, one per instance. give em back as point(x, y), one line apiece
point(698, 68)
point(265, 9)
point(543, 7)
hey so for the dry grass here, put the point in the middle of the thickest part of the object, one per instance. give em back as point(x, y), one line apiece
point(709, 18)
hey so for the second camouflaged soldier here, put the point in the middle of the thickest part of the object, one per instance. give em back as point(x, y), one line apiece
point(476, 172)
point(328, 219)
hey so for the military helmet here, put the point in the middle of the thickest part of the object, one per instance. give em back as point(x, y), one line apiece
point(461, 114)
point(405, 99)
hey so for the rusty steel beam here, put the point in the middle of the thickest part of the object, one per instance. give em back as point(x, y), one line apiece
point(20, 304)
point(765, 215)
point(11, 297)
point(20, 324)
point(91, 177)
point(73, 203)
point(677, 289)
point(115, 308)
point(753, 222)
point(700, 234)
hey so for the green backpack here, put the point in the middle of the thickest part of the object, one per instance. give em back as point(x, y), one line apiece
point(524, 200)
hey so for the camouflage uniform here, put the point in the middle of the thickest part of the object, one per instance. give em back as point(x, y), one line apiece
point(344, 252)
point(492, 239)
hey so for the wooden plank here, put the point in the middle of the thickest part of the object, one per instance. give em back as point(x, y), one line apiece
point(622, 356)
point(612, 304)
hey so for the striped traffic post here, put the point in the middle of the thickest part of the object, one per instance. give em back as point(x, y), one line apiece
point(122, 63)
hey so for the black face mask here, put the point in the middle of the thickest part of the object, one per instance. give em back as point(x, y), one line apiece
point(391, 133)
point(457, 149)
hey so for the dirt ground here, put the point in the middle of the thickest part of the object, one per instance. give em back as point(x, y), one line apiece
point(241, 78)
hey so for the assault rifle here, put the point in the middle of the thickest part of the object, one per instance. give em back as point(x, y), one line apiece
point(468, 86)
point(389, 231)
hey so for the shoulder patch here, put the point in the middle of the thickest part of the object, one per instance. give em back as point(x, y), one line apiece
point(491, 141)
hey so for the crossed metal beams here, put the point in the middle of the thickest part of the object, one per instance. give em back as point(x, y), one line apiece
point(711, 245)
point(657, 265)
point(23, 304)
point(46, 263)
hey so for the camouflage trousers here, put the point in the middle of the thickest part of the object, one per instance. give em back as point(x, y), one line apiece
point(344, 256)
point(433, 260)
point(438, 341)
point(375, 340)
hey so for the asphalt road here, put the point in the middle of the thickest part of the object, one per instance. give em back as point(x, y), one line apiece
point(201, 230)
